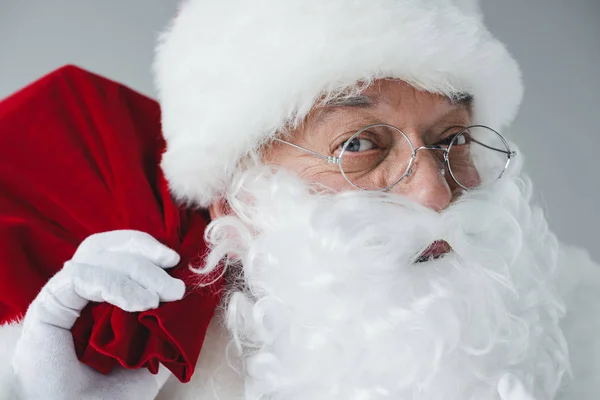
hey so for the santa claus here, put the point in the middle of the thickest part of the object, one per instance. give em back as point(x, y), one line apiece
point(371, 234)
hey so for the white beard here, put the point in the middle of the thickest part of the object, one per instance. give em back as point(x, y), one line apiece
point(327, 302)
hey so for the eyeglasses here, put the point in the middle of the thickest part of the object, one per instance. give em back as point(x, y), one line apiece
point(379, 156)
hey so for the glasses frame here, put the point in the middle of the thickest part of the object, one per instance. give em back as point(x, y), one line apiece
point(338, 159)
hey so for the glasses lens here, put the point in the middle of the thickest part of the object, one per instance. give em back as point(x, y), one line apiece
point(376, 157)
point(478, 156)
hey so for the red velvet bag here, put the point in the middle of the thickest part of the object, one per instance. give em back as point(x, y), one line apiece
point(79, 154)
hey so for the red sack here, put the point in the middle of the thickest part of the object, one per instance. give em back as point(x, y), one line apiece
point(79, 154)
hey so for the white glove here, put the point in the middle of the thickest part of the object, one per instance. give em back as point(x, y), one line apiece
point(123, 268)
point(511, 388)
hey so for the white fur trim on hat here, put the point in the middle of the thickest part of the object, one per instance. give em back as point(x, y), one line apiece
point(230, 73)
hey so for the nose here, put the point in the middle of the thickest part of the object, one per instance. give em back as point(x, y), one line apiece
point(426, 183)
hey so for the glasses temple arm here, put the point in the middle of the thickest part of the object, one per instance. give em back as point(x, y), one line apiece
point(326, 158)
point(509, 153)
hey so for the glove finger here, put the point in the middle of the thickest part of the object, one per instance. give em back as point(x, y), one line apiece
point(146, 246)
point(101, 284)
point(128, 241)
point(144, 273)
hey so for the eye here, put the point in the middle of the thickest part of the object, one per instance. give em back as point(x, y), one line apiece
point(459, 139)
point(358, 144)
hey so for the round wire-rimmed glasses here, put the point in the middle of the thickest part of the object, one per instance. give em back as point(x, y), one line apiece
point(474, 156)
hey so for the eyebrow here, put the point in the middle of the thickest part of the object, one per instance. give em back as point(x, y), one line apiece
point(338, 104)
point(364, 101)
point(359, 101)
point(462, 99)
point(459, 99)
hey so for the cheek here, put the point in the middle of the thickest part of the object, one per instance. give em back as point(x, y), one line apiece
point(327, 175)
point(308, 167)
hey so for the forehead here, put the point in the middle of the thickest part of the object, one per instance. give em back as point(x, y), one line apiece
point(388, 97)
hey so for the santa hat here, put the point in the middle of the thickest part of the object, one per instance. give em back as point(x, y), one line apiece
point(231, 73)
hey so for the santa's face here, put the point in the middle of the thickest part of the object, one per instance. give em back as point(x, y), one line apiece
point(425, 119)
point(338, 293)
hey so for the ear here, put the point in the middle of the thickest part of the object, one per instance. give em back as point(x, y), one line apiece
point(219, 208)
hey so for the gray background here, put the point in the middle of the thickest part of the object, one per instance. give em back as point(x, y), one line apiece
point(557, 43)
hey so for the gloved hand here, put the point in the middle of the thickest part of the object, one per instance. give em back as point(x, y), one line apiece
point(511, 388)
point(123, 268)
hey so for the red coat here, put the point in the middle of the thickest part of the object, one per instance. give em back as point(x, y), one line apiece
point(79, 154)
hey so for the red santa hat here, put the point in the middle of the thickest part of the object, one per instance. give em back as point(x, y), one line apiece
point(230, 74)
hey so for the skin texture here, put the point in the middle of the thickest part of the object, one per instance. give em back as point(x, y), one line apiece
point(424, 117)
